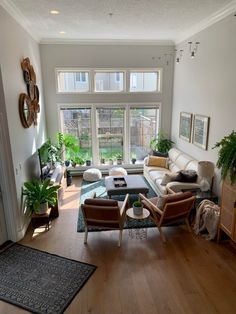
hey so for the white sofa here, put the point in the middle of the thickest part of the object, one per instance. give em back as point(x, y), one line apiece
point(177, 161)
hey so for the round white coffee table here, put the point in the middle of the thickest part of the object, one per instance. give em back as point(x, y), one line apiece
point(138, 233)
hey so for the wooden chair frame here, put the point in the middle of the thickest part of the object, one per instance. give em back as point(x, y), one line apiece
point(154, 211)
point(120, 221)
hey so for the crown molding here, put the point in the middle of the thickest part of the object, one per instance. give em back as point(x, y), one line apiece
point(212, 19)
point(9, 6)
point(72, 41)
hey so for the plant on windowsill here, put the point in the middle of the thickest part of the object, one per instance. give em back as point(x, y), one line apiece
point(133, 158)
point(38, 195)
point(119, 159)
point(227, 157)
point(161, 145)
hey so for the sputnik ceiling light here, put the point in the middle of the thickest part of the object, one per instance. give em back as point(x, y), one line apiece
point(193, 48)
point(179, 55)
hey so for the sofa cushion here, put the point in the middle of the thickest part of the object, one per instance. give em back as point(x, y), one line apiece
point(156, 175)
point(189, 176)
point(158, 161)
point(168, 177)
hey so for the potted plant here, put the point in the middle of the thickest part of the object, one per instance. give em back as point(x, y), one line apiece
point(227, 164)
point(137, 208)
point(39, 194)
point(227, 157)
point(161, 145)
point(119, 159)
point(133, 158)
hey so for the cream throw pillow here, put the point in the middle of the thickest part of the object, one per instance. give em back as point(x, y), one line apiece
point(168, 177)
point(158, 161)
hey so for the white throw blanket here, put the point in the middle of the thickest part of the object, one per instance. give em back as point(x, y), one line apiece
point(207, 219)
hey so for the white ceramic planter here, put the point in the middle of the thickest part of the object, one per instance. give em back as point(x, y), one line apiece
point(43, 208)
point(137, 210)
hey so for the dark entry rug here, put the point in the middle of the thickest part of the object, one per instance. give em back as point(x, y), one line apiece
point(87, 190)
point(38, 281)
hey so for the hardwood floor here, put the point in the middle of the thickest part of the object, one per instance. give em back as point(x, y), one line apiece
point(186, 275)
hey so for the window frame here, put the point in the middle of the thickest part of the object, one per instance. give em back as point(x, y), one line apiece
point(126, 82)
point(127, 106)
point(158, 82)
point(73, 70)
point(109, 71)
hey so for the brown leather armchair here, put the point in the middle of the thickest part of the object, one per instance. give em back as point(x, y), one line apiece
point(104, 214)
point(174, 207)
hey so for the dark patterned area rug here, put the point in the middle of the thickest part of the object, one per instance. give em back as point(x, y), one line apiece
point(87, 190)
point(38, 281)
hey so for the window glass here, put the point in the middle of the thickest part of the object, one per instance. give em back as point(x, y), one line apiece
point(72, 81)
point(109, 81)
point(78, 123)
point(144, 81)
point(143, 126)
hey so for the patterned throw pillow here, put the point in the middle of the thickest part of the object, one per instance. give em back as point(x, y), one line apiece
point(169, 177)
point(158, 161)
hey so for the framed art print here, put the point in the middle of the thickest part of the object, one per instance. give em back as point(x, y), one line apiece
point(200, 131)
point(185, 126)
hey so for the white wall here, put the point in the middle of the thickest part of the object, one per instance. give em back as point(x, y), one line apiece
point(105, 56)
point(206, 85)
point(17, 44)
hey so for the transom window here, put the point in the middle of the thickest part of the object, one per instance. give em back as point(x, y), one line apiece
point(108, 81)
point(72, 81)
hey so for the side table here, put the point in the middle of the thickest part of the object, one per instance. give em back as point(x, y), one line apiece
point(40, 220)
point(139, 233)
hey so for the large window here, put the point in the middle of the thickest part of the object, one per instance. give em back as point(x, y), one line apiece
point(108, 133)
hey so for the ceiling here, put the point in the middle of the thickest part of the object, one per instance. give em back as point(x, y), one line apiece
point(116, 20)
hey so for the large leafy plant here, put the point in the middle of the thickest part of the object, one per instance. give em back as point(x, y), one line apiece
point(227, 156)
point(37, 192)
point(161, 144)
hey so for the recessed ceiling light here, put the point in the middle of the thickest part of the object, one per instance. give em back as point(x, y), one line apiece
point(62, 32)
point(54, 12)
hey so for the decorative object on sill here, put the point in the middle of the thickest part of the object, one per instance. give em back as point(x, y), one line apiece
point(193, 48)
point(200, 131)
point(38, 281)
point(119, 159)
point(29, 104)
point(185, 126)
point(206, 172)
point(179, 55)
point(134, 158)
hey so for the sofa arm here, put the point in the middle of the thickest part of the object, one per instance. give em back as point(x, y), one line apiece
point(145, 161)
point(175, 187)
